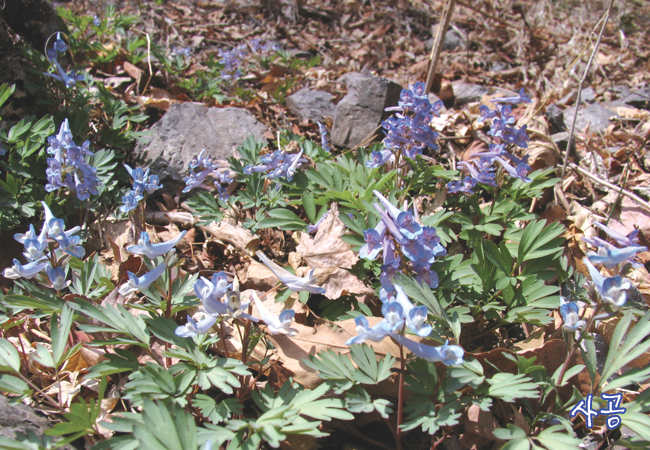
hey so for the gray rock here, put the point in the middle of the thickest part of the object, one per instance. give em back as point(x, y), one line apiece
point(555, 118)
point(467, 93)
point(21, 418)
point(639, 98)
point(188, 128)
point(307, 104)
point(596, 115)
point(561, 139)
point(361, 111)
point(588, 95)
point(453, 40)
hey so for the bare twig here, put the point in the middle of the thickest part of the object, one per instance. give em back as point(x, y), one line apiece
point(439, 41)
point(604, 20)
point(605, 183)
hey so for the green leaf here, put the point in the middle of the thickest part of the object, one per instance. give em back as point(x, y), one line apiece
point(511, 432)
point(637, 422)
point(9, 357)
point(217, 412)
point(557, 438)
point(60, 331)
point(509, 387)
point(5, 92)
point(165, 427)
point(14, 385)
point(358, 401)
point(570, 373)
point(517, 444)
point(309, 205)
point(622, 353)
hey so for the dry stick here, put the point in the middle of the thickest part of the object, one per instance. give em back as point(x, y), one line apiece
point(440, 38)
point(605, 183)
point(582, 80)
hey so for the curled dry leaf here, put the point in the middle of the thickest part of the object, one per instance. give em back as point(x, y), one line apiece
point(236, 235)
point(330, 256)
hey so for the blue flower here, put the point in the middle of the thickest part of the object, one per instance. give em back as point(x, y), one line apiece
point(611, 257)
point(276, 324)
point(570, 312)
point(28, 271)
point(449, 355)
point(57, 277)
point(294, 283)
point(611, 289)
point(374, 238)
point(365, 333)
point(136, 283)
point(192, 328)
point(152, 251)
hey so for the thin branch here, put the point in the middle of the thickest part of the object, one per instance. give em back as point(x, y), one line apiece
point(582, 80)
point(440, 39)
point(605, 183)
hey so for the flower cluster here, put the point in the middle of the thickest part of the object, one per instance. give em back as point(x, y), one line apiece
point(279, 164)
point(418, 243)
point(151, 251)
point(408, 131)
point(613, 289)
point(232, 59)
point(399, 313)
point(504, 133)
point(70, 78)
point(323, 137)
point(220, 298)
point(61, 244)
point(143, 183)
point(68, 166)
point(208, 168)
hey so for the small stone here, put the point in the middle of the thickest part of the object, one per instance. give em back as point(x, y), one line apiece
point(453, 39)
point(555, 118)
point(467, 93)
point(362, 110)
point(639, 98)
point(588, 95)
point(561, 139)
point(21, 418)
point(597, 116)
point(312, 105)
point(188, 128)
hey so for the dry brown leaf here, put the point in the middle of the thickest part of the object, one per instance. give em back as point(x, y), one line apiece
point(479, 426)
point(236, 235)
point(327, 249)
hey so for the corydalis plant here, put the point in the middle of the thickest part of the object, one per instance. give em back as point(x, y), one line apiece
point(505, 135)
point(70, 78)
point(408, 132)
point(68, 165)
point(61, 244)
point(221, 176)
point(143, 184)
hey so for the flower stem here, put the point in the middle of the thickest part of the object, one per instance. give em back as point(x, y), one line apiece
point(400, 399)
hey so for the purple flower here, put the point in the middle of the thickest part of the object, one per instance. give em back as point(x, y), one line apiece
point(323, 137)
point(366, 333)
point(624, 241)
point(373, 245)
point(521, 98)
